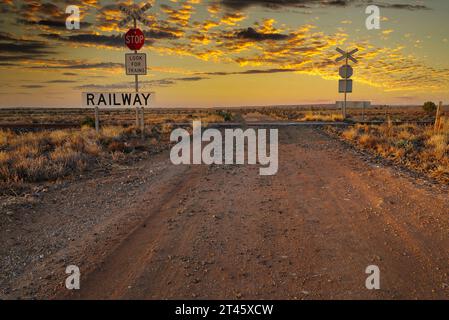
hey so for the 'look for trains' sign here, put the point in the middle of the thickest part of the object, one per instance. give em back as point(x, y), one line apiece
point(116, 99)
point(136, 63)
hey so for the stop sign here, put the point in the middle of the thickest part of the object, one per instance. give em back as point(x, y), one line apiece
point(134, 39)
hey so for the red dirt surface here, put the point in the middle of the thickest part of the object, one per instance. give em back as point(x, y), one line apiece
point(158, 231)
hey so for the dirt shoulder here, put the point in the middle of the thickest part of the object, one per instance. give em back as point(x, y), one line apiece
point(158, 231)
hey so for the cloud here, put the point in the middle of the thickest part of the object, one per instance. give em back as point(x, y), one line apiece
point(99, 65)
point(411, 7)
point(252, 34)
point(246, 72)
point(161, 34)
point(53, 24)
point(279, 4)
point(148, 83)
point(60, 81)
point(32, 86)
point(112, 41)
point(13, 46)
point(179, 16)
point(232, 18)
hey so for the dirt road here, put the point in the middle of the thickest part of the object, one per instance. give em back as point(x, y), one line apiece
point(159, 231)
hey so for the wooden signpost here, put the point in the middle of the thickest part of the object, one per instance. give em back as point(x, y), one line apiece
point(346, 72)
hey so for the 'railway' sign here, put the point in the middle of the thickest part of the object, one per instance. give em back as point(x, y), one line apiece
point(116, 99)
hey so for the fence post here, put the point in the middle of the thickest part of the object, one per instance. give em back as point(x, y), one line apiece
point(142, 122)
point(97, 120)
point(436, 126)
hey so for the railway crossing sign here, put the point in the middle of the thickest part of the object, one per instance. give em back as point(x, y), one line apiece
point(345, 86)
point(136, 63)
point(134, 14)
point(134, 39)
point(346, 71)
point(346, 55)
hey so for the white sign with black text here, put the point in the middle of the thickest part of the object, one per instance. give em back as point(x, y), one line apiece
point(116, 99)
point(136, 63)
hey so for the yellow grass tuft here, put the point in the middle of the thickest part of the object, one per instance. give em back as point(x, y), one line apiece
point(313, 116)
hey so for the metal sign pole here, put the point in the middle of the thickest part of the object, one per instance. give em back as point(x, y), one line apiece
point(136, 78)
point(136, 14)
point(346, 89)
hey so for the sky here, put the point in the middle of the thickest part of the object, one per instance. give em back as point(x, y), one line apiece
point(225, 53)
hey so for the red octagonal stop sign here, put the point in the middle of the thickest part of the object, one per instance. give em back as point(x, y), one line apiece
point(134, 39)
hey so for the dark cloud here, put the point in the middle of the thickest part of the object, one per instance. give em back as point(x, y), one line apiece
point(89, 39)
point(15, 57)
point(4, 36)
point(100, 65)
point(172, 81)
point(54, 24)
point(160, 34)
point(252, 34)
point(61, 81)
point(13, 60)
point(190, 79)
point(278, 4)
point(32, 86)
point(255, 71)
point(156, 83)
point(25, 47)
point(403, 6)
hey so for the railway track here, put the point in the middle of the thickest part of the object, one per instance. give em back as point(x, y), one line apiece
point(26, 127)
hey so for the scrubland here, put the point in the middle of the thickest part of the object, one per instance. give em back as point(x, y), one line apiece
point(49, 155)
point(421, 148)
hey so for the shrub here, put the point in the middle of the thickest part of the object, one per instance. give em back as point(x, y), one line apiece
point(429, 107)
point(227, 116)
point(88, 122)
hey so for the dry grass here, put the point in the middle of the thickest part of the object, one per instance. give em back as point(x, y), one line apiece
point(48, 155)
point(108, 117)
point(421, 148)
point(318, 116)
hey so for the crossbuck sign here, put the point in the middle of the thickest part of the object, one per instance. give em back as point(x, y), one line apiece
point(134, 14)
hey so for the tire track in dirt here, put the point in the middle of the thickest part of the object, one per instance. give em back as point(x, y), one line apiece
point(307, 233)
point(224, 232)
